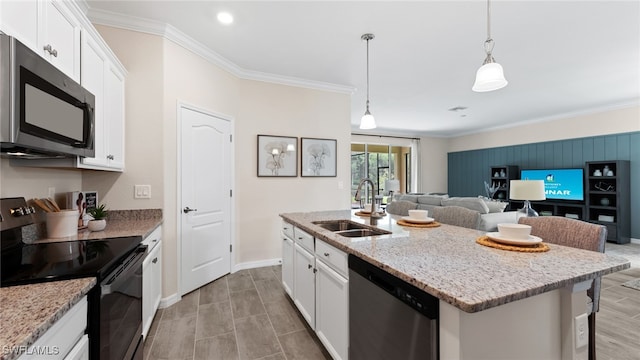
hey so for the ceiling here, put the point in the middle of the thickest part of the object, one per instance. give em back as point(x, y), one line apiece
point(561, 58)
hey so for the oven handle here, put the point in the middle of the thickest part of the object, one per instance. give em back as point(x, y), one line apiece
point(119, 275)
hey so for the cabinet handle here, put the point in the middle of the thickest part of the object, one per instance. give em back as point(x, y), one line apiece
point(155, 260)
point(300, 238)
point(309, 266)
point(51, 50)
point(110, 157)
point(155, 240)
point(315, 271)
point(326, 254)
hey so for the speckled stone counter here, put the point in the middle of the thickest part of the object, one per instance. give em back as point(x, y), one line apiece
point(447, 263)
point(28, 311)
point(114, 229)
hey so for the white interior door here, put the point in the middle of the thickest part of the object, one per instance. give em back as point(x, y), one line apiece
point(206, 199)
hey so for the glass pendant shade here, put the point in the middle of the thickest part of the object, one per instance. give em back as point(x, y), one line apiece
point(367, 122)
point(489, 77)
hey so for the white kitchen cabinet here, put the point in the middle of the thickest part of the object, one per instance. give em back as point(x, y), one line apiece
point(66, 339)
point(151, 279)
point(332, 310)
point(48, 27)
point(287, 263)
point(304, 284)
point(106, 82)
point(60, 38)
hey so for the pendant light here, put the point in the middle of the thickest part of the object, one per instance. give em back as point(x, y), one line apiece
point(367, 121)
point(490, 76)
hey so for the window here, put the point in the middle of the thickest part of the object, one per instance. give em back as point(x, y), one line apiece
point(380, 163)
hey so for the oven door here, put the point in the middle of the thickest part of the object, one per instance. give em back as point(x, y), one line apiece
point(121, 309)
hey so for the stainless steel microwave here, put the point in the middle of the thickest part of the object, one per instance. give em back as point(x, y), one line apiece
point(43, 112)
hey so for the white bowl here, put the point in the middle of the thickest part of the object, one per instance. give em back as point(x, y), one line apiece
point(418, 214)
point(514, 231)
point(367, 208)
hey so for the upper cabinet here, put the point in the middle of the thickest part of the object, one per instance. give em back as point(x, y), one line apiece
point(49, 28)
point(62, 34)
point(102, 78)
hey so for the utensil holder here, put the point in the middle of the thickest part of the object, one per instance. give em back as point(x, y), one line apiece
point(62, 223)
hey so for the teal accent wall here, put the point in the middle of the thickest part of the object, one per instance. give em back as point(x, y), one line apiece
point(468, 170)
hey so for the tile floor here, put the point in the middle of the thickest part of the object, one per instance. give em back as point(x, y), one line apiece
point(245, 315)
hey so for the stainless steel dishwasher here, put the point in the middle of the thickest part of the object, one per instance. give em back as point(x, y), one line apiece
point(389, 318)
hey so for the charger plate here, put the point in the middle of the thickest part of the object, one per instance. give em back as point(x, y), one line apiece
point(538, 247)
point(416, 225)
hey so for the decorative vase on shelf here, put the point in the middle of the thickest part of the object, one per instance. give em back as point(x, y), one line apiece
point(597, 173)
point(606, 171)
point(604, 201)
point(502, 173)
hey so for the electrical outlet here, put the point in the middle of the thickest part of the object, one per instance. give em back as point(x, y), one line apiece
point(142, 192)
point(582, 331)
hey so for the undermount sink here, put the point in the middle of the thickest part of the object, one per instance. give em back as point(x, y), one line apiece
point(347, 228)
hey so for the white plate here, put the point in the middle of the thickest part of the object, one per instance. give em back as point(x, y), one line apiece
point(417, 221)
point(532, 240)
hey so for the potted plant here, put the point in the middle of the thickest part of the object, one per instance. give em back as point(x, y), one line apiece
point(99, 215)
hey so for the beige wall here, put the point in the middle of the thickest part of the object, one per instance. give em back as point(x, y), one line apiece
point(31, 182)
point(433, 164)
point(162, 74)
point(571, 127)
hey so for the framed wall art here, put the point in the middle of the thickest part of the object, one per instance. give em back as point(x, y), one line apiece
point(277, 156)
point(318, 157)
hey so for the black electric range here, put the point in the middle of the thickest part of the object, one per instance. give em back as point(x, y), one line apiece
point(115, 304)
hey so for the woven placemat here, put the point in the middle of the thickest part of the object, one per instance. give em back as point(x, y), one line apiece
point(486, 241)
point(427, 225)
point(360, 213)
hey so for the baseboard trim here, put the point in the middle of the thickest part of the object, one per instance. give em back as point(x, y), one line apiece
point(635, 241)
point(257, 264)
point(169, 300)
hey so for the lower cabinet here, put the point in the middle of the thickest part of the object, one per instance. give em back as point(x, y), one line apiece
point(315, 275)
point(304, 284)
point(151, 279)
point(332, 311)
point(287, 264)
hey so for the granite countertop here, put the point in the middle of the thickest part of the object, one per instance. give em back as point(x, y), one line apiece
point(447, 263)
point(28, 311)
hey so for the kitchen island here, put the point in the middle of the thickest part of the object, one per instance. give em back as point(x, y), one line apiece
point(493, 303)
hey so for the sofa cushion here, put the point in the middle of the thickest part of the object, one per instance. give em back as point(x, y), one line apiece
point(412, 198)
point(431, 199)
point(471, 203)
point(495, 206)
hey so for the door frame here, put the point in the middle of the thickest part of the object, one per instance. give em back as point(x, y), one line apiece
point(185, 105)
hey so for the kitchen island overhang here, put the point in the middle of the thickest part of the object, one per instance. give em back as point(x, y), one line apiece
point(528, 294)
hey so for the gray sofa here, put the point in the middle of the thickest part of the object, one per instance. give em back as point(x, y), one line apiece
point(491, 212)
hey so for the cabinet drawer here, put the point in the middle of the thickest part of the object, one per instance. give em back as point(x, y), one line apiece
point(333, 257)
point(304, 239)
point(287, 229)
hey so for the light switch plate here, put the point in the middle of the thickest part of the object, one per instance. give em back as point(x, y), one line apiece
point(142, 192)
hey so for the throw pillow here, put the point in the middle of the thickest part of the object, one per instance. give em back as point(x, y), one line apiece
point(467, 202)
point(496, 206)
point(431, 199)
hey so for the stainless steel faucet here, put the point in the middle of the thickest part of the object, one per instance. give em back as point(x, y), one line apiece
point(375, 211)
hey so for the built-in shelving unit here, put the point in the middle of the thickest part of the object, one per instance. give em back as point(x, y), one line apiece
point(500, 176)
point(608, 197)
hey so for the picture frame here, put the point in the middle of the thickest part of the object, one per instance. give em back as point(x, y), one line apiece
point(318, 157)
point(277, 156)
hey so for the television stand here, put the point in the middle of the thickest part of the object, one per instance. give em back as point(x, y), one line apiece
point(555, 208)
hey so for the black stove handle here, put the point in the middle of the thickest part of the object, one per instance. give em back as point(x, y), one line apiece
point(124, 270)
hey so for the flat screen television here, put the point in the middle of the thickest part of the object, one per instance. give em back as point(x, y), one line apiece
point(559, 184)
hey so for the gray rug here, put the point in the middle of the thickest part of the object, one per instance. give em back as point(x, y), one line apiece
point(633, 284)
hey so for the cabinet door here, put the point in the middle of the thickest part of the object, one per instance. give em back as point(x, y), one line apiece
point(114, 117)
point(151, 286)
point(332, 311)
point(20, 20)
point(60, 34)
point(287, 264)
point(304, 287)
point(93, 65)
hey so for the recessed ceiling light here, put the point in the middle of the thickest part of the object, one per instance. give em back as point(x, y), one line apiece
point(225, 18)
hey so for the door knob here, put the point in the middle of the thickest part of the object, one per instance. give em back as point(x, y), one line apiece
point(188, 210)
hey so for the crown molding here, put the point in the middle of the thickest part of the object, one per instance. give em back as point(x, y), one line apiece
point(127, 22)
